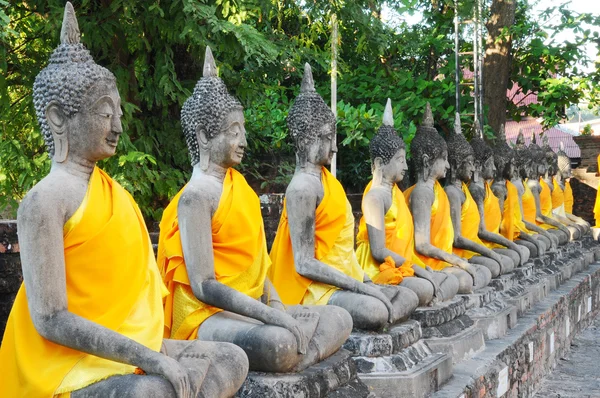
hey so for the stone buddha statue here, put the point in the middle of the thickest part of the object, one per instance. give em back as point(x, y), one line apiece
point(88, 320)
point(542, 195)
point(562, 184)
point(490, 209)
point(313, 256)
point(213, 253)
point(524, 163)
point(385, 240)
point(512, 226)
point(463, 209)
point(430, 208)
point(557, 194)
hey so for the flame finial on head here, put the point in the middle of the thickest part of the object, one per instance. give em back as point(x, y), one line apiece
point(69, 32)
point(520, 138)
point(457, 127)
point(477, 128)
point(501, 134)
point(388, 114)
point(561, 146)
point(545, 141)
point(427, 117)
point(308, 84)
point(210, 67)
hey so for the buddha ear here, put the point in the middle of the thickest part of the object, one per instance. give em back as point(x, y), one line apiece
point(425, 166)
point(376, 169)
point(378, 163)
point(204, 146)
point(57, 121)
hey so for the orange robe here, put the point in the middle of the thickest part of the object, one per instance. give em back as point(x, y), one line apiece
point(512, 218)
point(491, 210)
point(568, 198)
point(469, 222)
point(545, 203)
point(239, 250)
point(111, 280)
point(528, 200)
point(441, 232)
point(399, 238)
point(334, 246)
point(558, 195)
point(597, 204)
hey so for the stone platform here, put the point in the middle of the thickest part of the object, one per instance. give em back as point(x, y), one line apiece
point(397, 363)
point(447, 329)
point(335, 377)
point(515, 365)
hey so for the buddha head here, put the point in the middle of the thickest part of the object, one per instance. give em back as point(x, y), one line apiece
point(460, 154)
point(428, 150)
point(551, 156)
point(484, 156)
point(76, 101)
point(213, 121)
point(388, 152)
point(312, 124)
point(564, 162)
point(522, 157)
point(538, 159)
point(504, 157)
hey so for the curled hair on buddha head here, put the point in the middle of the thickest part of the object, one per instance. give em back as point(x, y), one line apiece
point(206, 109)
point(536, 152)
point(564, 162)
point(503, 154)
point(481, 149)
point(551, 156)
point(458, 146)
point(427, 141)
point(309, 113)
point(386, 143)
point(70, 74)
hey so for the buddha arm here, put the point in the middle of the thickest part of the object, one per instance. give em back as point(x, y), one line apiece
point(302, 197)
point(373, 207)
point(41, 218)
point(454, 197)
point(538, 209)
point(483, 233)
point(194, 211)
point(421, 201)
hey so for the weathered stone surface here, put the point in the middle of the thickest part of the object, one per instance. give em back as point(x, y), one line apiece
point(463, 344)
point(494, 319)
point(373, 344)
point(320, 380)
point(478, 298)
point(439, 313)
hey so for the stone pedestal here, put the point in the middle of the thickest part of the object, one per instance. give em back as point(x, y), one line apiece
point(490, 313)
point(447, 329)
point(397, 363)
point(335, 377)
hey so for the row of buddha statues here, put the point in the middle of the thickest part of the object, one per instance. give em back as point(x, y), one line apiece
point(97, 315)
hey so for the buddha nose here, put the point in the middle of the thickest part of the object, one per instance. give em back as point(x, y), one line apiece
point(116, 127)
point(243, 141)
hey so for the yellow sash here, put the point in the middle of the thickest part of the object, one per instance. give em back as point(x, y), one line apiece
point(399, 238)
point(558, 195)
point(239, 250)
point(441, 233)
point(491, 209)
point(545, 199)
point(332, 218)
point(568, 197)
point(111, 279)
point(528, 200)
point(469, 221)
point(512, 219)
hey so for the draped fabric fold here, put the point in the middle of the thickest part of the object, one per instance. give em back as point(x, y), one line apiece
point(399, 238)
point(528, 200)
point(558, 195)
point(491, 210)
point(441, 233)
point(111, 280)
point(469, 221)
point(568, 197)
point(334, 246)
point(239, 251)
point(545, 204)
point(512, 218)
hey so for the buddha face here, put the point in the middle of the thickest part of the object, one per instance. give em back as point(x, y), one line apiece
point(466, 168)
point(440, 166)
point(565, 172)
point(227, 148)
point(396, 168)
point(93, 132)
point(321, 150)
point(488, 170)
point(542, 167)
point(509, 169)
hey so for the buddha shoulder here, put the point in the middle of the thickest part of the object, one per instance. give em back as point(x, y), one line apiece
point(203, 193)
point(304, 185)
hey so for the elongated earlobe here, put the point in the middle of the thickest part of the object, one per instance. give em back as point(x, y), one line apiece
point(57, 121)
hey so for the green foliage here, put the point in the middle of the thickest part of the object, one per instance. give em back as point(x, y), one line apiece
point(156, 50)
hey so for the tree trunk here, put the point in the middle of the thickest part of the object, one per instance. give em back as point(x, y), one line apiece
point(498, 61)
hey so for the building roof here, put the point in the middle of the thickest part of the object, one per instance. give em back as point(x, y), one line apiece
point(531, 126)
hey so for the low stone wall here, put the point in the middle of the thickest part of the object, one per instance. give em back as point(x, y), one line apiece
point(515, 365)
point(10, 269)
